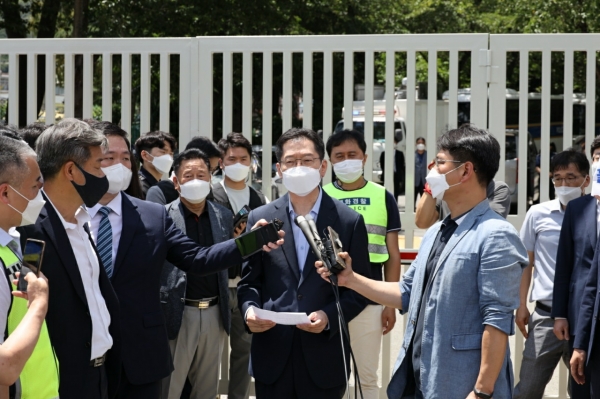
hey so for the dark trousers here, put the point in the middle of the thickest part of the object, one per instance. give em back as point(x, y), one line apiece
point(577, 391)
point(295, 381)
point(98, 379)
point(127, 390)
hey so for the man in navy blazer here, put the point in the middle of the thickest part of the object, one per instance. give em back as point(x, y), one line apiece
point(304, 361)
point(143, 237)
point(578, 238)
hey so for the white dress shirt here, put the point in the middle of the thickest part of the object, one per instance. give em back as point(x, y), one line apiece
point(116, 223)
point(89, 269)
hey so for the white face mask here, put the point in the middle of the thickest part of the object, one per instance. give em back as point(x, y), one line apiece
point(595, 166)
point(421, 147)
point(236, 172)
point(162, 163)
point(301, 180)
point(437, 182)
point(119, 177)
point(33, 209)
point(348, 171)
point(566, 194)
point(195, 191)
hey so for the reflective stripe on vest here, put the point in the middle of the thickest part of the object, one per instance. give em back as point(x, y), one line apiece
point(369, 201)
point(39, 378)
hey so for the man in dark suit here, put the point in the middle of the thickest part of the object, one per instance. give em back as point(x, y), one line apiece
point(399, 168)
point(196, 307)
point(142, 236)
point(304, 361)
point(573, 261)
point(83, 314)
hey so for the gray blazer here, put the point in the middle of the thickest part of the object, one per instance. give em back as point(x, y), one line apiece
point(173, 281)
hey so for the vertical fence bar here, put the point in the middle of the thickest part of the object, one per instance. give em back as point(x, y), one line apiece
point(88, 85)
point(164, 122)
point(107, 86)
point(453, 91)
point(545, 122)
point(227, 93)
point(205, 100)
point(410, 138)
point(327, 101)
point(247, 96)
point(189, 109)
point(286, 101)
point(590, 99)
point(497, 123)
point(431, 97)
point(390, 80)
point(13, 89)
point(50, 89)
point(126, 92)
point(568, 101)
point(348, 88)
point(69, 85)
point(369, 74)
point(523, 137)
point(32, 110)
point(145, 92)
point(267, 122)
point(307, 90)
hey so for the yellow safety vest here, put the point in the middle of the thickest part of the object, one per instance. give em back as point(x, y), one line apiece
point(39, 378)
point(369, 201)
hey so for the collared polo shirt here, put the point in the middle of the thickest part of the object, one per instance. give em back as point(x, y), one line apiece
point(540, 234)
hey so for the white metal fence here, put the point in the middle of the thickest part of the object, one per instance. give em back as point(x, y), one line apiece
point(485, 55)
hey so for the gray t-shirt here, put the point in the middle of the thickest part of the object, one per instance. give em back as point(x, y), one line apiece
point(237, 198)
point(498, 194)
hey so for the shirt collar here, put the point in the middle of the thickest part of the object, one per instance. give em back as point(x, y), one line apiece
point(5, 238)
point(81, 215)
point(554, 205)
point(151, 179)
point(314, 212)
point(114, 205)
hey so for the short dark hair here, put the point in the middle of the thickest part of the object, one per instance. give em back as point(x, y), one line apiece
point(562, 160)
point(296, 133)
point(471, 144)
point(10, 132)
point(12, 160)
point(338, 138)
point(206, 145)
point(151, 140)
point(421, 138)
point(233, 140)
point(31, 132)
point(110, 129)
point(189, 154)
point(595, 145)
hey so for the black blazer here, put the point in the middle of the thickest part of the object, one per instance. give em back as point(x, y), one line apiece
point(150, 237)
point(68, 319)
point(272, 281)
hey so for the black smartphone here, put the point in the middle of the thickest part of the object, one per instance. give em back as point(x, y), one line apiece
point(32, 261)
point(241, 216)
point(252, 242)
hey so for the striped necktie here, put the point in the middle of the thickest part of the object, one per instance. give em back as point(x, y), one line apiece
point(104, 241)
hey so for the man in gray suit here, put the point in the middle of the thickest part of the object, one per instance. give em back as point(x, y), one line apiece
point(195, 323)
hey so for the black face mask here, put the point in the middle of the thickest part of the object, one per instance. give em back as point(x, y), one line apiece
point(93, 189)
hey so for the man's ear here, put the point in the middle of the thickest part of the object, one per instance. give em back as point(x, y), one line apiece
point(323, 168)
point(279, 172)
point(4, 193)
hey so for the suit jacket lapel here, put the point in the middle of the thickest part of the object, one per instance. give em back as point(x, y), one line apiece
point(54, 229)
point(214, 215)
point(289, 246)
point(130, 219)
point(326, 217)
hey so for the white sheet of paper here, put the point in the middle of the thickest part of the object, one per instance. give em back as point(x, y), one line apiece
point(286, 318)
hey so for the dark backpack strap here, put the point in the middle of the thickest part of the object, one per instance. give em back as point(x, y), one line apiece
point(257, 199)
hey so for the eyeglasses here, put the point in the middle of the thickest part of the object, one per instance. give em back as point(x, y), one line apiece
point(439, 162)
point(304, 161)
point(569, 180)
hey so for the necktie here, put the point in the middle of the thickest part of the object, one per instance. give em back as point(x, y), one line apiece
point(104, 242)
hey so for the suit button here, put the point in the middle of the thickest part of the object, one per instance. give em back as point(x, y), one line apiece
point(87, 344)
point(299, 296)
point(413, 322)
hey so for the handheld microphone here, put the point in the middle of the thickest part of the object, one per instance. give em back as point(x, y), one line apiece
point(313, 227)
point(308, 233)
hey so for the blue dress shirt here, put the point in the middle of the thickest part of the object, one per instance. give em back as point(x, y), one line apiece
point(301, 243)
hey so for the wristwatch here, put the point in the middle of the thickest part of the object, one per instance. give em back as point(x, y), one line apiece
point(482, 395)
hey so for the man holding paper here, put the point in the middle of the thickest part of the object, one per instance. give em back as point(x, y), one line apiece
point(304, 360)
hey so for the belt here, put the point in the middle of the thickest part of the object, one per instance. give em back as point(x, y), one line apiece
point(543, 307)
point(203, 303)
point(99, 361)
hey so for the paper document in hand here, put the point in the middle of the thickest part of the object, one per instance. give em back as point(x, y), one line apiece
point(286, 318)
